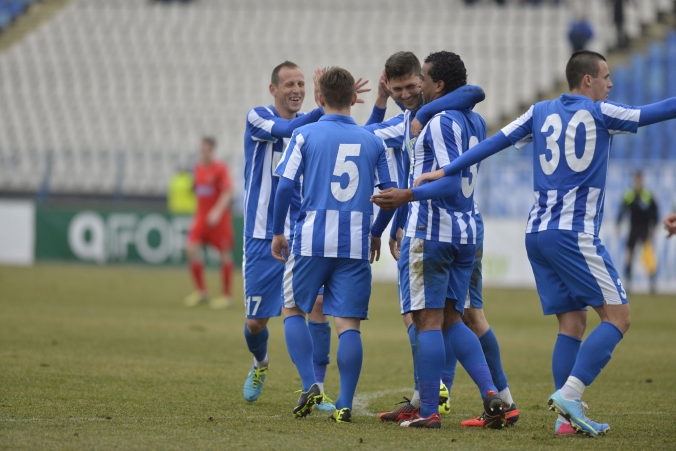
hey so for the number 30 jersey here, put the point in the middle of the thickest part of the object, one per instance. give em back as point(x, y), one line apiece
point(571, 146)
point(340, 163)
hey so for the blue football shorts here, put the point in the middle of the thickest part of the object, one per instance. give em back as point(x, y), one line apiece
point(346, 281)
point(474, 294)
point(431, 272)
point(572, 271)
point(263, 277)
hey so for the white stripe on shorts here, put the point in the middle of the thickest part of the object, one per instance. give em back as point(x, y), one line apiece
point(289, 300)
point(598, 269)
point(416, 278)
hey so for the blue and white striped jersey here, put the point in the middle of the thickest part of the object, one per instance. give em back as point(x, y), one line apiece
point(265, 138)
point(340, 163)
point(395, 132)
point(443, 139)
point(571, 145)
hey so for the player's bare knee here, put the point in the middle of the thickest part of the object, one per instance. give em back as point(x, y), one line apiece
point(475, 320)
point(428, 319)
point(317, 313)
point(256, 325)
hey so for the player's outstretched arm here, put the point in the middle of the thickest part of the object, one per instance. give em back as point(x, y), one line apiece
point(657, 112)
point(265, 126)
point(480, 152)
point(384, 215)
point(464, 97)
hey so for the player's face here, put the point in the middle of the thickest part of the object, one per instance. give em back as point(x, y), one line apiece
point(406, 90)
point(207, 152)
point(429, 87)
point(601, 84)
point(290, 90)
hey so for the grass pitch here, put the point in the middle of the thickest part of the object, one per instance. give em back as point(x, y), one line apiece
point(108, 358)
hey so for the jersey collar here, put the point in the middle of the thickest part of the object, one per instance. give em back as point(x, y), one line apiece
point(338, 118)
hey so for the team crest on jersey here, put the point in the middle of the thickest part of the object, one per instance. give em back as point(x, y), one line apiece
point(410, 145)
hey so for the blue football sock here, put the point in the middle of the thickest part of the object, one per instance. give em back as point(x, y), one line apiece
point(429, 360)
point(299, 345)
point(595, 352)
point(467, 349)
point(350, 356)
point(563, 358)
point(491, 348)
point(257, 343)
point(320, 372)
point(412, 334)
point(448, 373)
point(321, 341)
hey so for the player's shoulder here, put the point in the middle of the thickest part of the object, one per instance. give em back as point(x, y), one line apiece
point(259, 112)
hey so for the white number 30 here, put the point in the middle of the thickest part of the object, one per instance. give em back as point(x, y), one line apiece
point(553, 123)
point(350, 168)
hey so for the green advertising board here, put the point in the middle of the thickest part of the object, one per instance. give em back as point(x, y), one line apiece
point(118, 237)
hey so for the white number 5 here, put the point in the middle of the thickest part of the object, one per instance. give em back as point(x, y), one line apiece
point(350, 168)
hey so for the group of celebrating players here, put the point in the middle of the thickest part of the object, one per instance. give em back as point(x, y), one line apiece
point(309, 205)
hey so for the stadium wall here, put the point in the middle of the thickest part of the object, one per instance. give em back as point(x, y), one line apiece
point(131, 237)
point(17, 240)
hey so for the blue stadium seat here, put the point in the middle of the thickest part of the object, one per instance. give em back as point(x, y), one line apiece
point(5, 18)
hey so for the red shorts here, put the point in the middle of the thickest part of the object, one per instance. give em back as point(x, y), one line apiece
point(220, 236)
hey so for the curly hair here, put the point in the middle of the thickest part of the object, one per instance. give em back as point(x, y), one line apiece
point(447, 67)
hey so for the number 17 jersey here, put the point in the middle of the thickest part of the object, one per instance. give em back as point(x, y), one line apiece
point(571, 146)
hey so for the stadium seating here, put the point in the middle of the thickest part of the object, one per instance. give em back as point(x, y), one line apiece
point(647, 78)
point(111, 97)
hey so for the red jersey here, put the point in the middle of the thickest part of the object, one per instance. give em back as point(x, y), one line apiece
point(210, 182)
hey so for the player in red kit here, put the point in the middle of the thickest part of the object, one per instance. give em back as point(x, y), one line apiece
point(212, 225)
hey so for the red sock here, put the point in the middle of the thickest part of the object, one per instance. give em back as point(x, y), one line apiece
point(227, 278)
point(196, 268)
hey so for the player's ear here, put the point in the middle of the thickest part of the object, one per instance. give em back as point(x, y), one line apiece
point(273, 90)
point(354, 99)
point(587, 79)
point(440, 86)
point(321, 100)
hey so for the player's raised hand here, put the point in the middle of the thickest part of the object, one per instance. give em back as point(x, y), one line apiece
point(395, 245)
point(375, 249)
point(315, 79)
point(280, 248)
point(392, 198)
point(359, 88)
point(429, 177)
point(416, 127)
point(670, 224)
point(384, 91)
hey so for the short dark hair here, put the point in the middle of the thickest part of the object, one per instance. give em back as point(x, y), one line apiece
point(210, 140)
point(402, 64)
point(447, 67)
point(274, 79)
point(581, 63)
point(337, 87)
